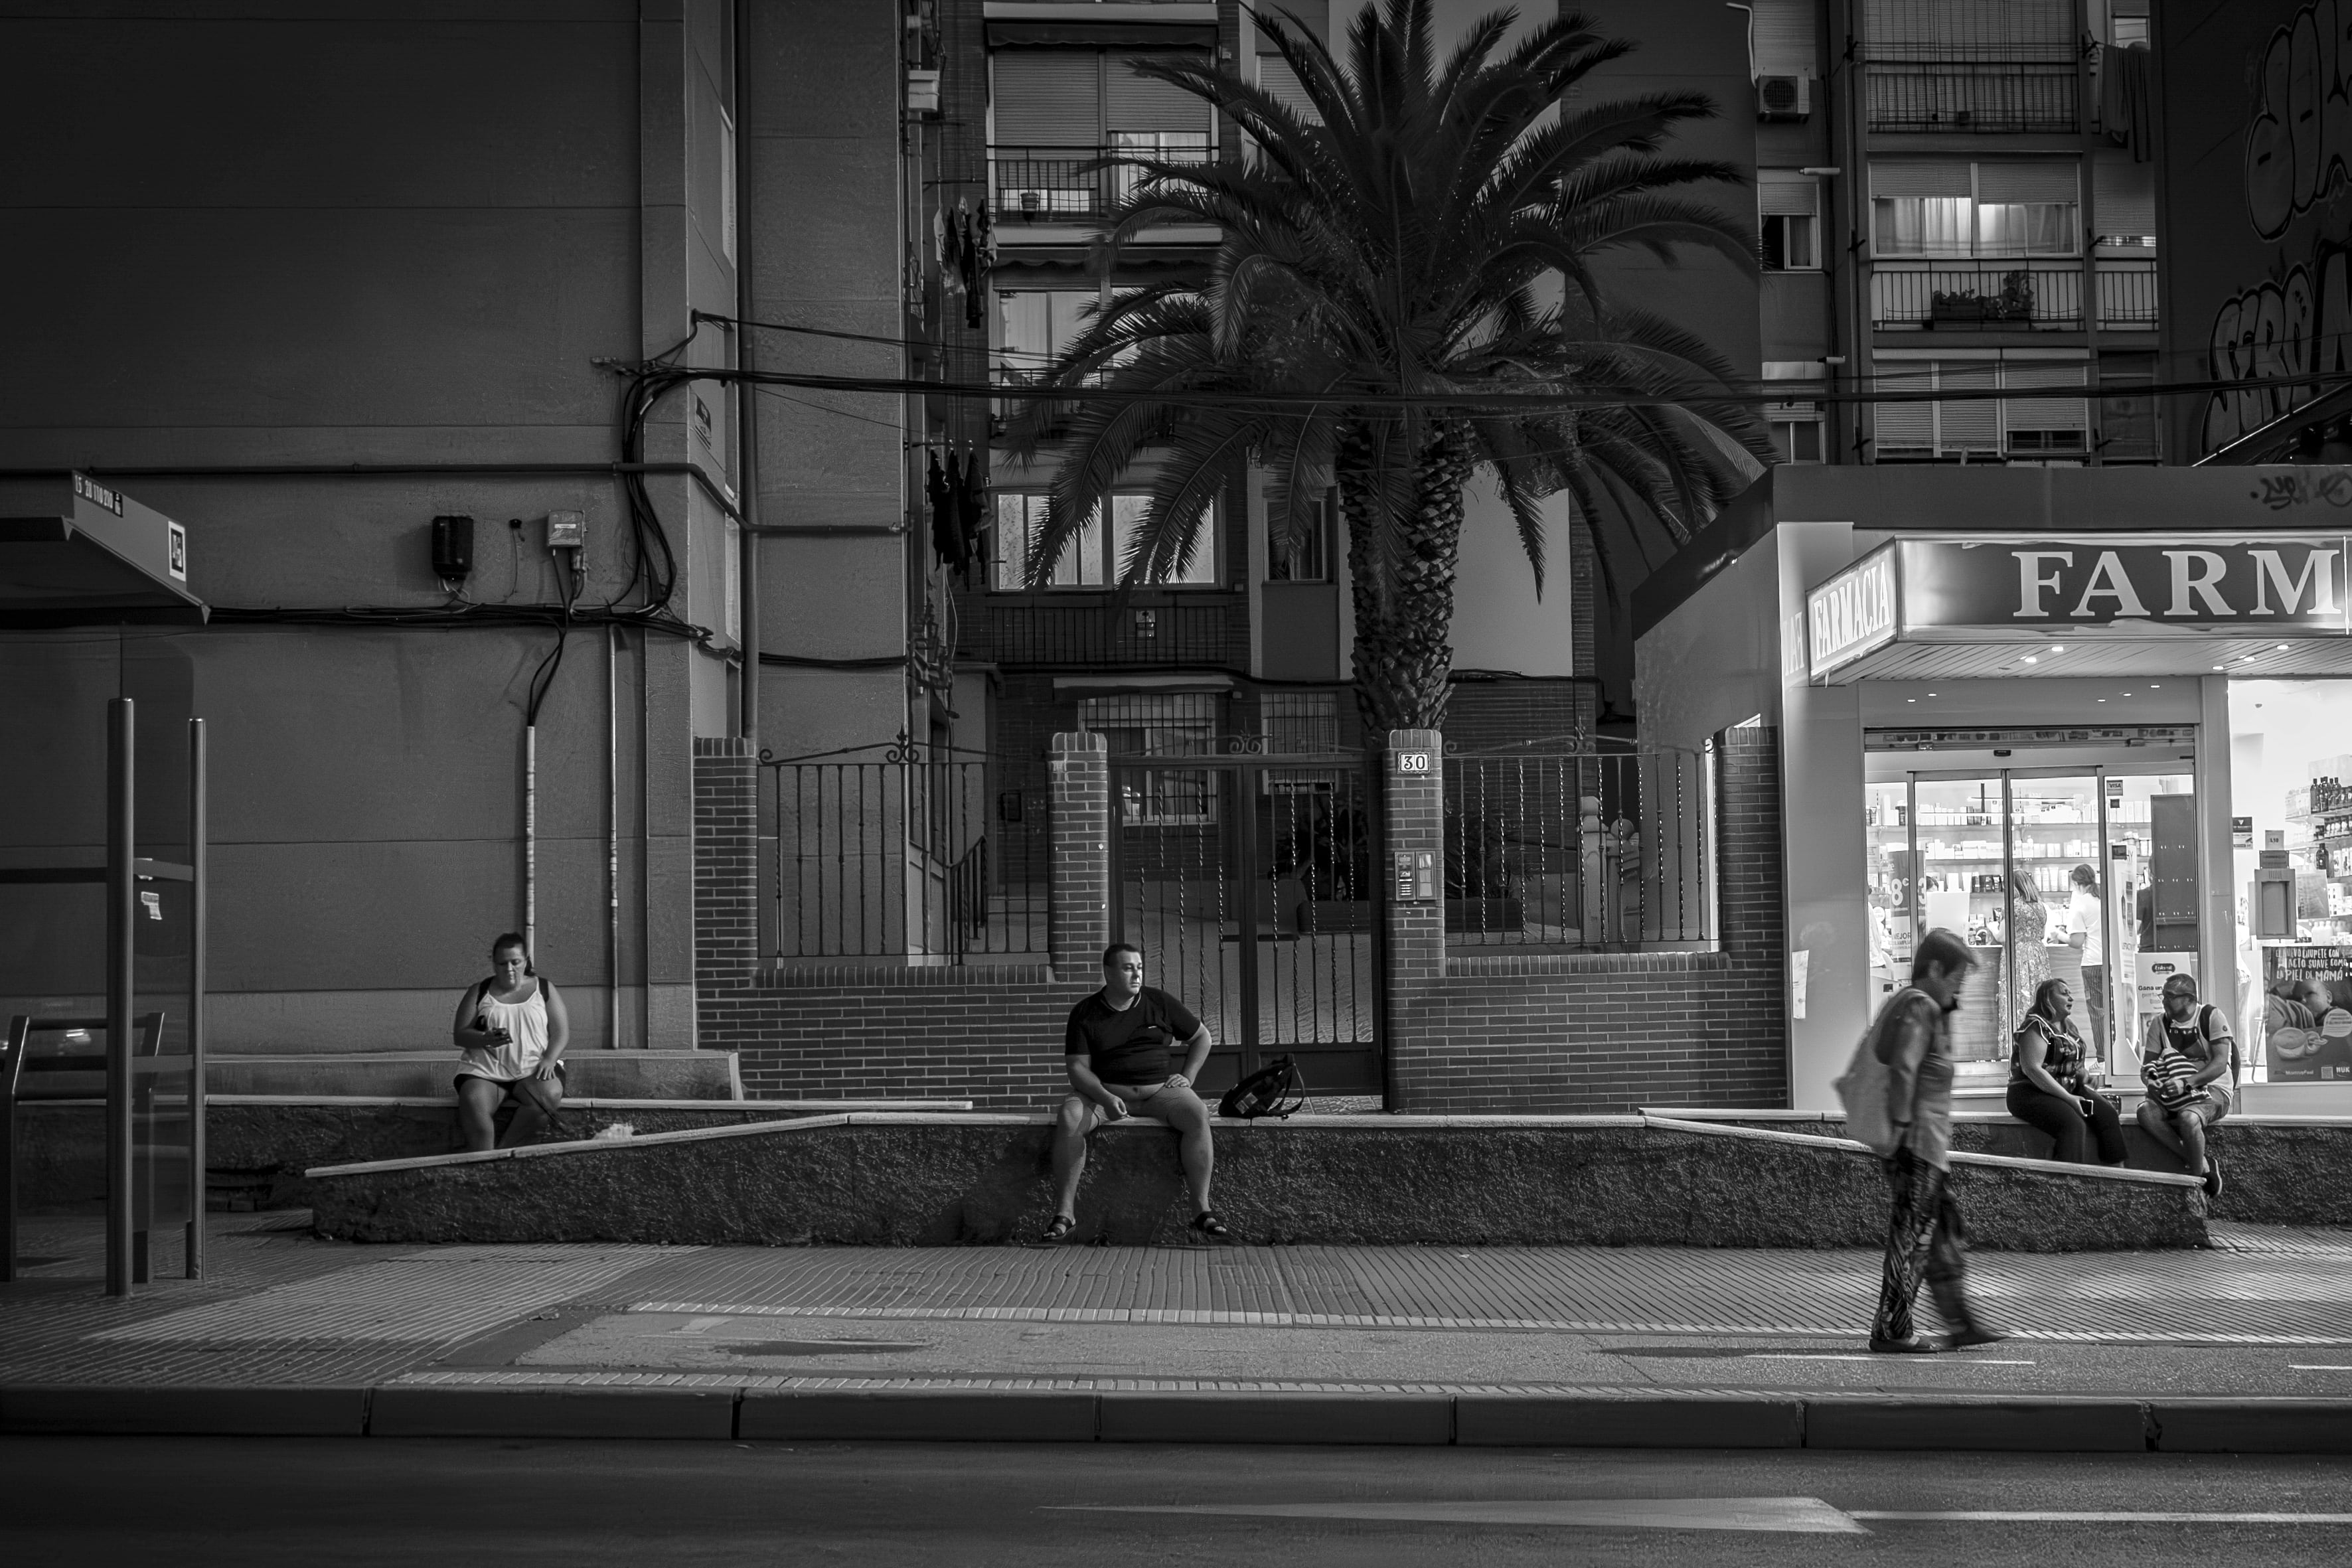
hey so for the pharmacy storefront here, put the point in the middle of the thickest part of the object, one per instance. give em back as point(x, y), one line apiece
point(2101, 753)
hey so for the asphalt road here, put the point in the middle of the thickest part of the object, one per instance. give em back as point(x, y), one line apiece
point(259, 1502)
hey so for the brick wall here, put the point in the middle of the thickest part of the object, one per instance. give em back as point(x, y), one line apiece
point(1481, 714)
point(1602, 1032)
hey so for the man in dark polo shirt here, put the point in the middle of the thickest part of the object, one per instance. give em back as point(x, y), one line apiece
point(1120, 1050)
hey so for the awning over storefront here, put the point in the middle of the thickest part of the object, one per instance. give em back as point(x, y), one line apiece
point(2116, 605)
point(76, 552)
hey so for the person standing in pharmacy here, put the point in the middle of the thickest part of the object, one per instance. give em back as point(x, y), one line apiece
point(2087, 934)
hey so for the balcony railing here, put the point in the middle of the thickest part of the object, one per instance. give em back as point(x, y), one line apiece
point(1981, 97)
point(1063, 184)
point(2128, 295)
point(1097, 632)
point(1998, 296)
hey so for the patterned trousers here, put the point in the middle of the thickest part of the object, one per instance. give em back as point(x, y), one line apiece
point(1924, 1239)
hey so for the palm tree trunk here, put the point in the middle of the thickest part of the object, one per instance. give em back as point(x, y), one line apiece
point(1403, 595)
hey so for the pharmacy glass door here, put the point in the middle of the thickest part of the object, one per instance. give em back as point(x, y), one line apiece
point(2009, 858)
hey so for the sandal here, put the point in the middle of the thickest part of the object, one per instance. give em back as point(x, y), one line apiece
point(1060, 1230)
point(1210, 1228)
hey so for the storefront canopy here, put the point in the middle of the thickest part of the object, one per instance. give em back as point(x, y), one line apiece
point(2118, 605)
point(76, 552)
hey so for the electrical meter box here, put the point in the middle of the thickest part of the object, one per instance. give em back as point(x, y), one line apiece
point(567, 531)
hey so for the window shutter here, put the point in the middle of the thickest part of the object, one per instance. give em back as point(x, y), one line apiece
point(2044, 412)
point(1904, 426)
point(1280, 83)
point(1140, 103)
point(1048, 97)
point(1787, 39)
point(1920, 177)
point(1973, 427)
point(2126, 193)
point(2040, 180)
point(1780, 194)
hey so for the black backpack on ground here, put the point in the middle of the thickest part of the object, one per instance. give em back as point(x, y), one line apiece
point(1278, 1089)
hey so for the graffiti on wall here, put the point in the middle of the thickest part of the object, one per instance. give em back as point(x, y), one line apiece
point(2298, 158)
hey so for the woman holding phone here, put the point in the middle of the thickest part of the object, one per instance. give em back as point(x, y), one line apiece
point(511, 1030)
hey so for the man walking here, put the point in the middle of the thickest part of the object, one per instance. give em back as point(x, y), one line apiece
point(1924, 1236)
point(1118, 1050)
point(2187, 1051)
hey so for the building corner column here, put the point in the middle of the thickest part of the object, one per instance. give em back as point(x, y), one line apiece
point(726, 882)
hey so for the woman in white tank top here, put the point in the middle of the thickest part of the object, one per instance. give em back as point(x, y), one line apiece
point(510, 1032)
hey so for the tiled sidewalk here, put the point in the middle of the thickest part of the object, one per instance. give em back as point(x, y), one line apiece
point(280, 1308)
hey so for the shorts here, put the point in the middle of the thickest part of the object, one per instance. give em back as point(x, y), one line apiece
point(2208, 1108)
point(507, 1084)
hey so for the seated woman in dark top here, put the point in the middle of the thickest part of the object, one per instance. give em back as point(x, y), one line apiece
point(2049, 1087)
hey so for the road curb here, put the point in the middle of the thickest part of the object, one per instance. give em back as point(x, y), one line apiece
point(1027, 1415)
point(1424, 1419)
point(1472, 1417)
point(1504, 1420)
point(414, 1411)
point(113, 1410)
point(2048, 1425)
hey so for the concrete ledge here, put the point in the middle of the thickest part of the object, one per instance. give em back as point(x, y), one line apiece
point(2053, 1425)
point(111, 1410)
point(429, 1412)
point(1665, 1421)
point(1682, 961)
point(2251, 1425)
point(1321, 1419)
point(926, 1416)
point(906, 1178)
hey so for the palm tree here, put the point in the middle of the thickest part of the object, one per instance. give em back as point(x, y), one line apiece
point(1404, 293)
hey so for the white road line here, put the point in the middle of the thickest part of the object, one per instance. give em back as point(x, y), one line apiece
point(1828, 1355)
point(2299, 1366)
point(1786, 1515)
point(2033, 1516)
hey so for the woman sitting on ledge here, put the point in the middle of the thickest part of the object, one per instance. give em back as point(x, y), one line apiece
point(2049, 1087)
point(511, 1029)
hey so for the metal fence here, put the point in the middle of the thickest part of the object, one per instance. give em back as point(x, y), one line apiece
point(913, 857)
point(2127, 293)
point(2000, 295)
point(1577, 851)
point(1973, 96)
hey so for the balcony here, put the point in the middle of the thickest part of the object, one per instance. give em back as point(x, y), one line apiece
point(1062, 183)
point(1973, 96)
point(1211, 632)
point(1995, 296)
point(2127, 296)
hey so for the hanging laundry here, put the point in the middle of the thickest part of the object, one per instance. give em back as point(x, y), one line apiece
point(968, 266)
point(951, 253)
point(971, 513)
point(946, 517)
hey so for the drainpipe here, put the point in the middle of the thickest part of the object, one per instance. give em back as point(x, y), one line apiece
point(531, 840)
point(611, 837)
point(747, 397)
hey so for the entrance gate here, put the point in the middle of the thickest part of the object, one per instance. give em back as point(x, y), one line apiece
point(1248, 881)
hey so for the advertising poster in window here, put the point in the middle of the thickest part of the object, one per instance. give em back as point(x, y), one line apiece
point(2308, 1013)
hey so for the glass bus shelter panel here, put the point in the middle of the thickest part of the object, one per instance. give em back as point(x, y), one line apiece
point(1958, 841)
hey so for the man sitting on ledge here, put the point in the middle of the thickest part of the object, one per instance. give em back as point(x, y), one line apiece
point(1118, 1047)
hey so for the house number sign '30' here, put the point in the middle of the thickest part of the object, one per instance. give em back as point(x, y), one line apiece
point(1419, 764)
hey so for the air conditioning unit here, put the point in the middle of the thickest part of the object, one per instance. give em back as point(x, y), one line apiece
point(1785, 96)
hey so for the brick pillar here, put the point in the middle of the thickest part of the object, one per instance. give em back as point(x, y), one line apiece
point(726, 865)
point(1080, 768)
point(1750, 902)
point(1415, 806)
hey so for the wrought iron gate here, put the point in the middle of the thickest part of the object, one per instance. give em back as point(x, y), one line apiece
point(1248, 879)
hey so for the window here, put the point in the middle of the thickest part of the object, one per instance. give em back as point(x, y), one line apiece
point(1299, 720)
point(1036, 326)
point(1937, 210)
point(1789, 220)
point(2127, 421)
point(1091, 559)
point(2035, 427)
point(1307, 557)
point(1172, 724)
point(1796, 431)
